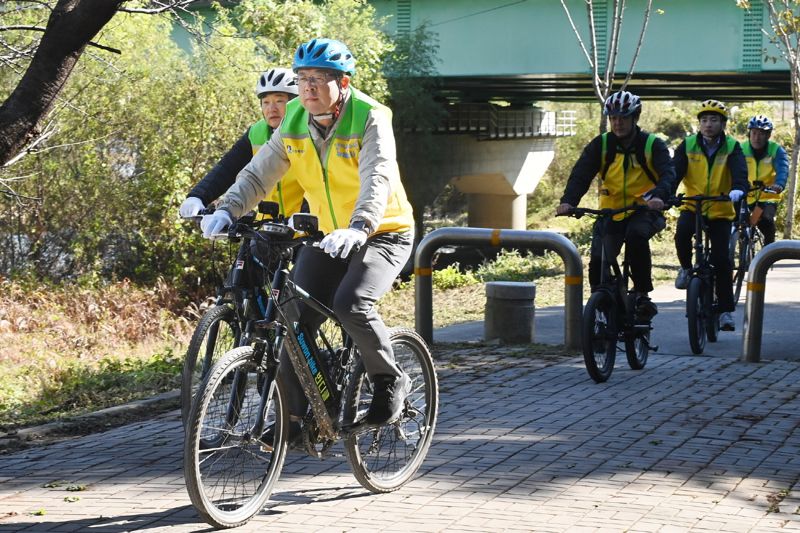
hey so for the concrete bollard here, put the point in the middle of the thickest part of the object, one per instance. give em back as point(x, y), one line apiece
point(509, 311)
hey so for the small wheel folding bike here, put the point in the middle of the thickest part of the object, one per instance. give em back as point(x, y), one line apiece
point(237, 434)
point(746, 240)
point(609, 316)
point(701, 302)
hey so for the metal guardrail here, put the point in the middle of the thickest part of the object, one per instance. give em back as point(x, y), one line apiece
point(573, 274)
point(756, 285)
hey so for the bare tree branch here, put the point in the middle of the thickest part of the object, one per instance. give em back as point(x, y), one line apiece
point(577, 34)
point(162, 7)
point(596, 81)
point(638, 44)
point(613, 47)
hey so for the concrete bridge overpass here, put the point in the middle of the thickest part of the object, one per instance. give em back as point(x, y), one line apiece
point(523, 51)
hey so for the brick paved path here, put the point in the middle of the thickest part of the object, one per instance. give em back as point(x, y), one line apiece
point(525, 442)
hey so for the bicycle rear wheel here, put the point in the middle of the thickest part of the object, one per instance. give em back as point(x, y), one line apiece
point(385, 458)
point(695, 315)
point(230, 471)
point(637, 348)
point(217, 332)
point(599, 336)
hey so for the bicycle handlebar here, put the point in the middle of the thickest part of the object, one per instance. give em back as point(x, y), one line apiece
point(578, 212)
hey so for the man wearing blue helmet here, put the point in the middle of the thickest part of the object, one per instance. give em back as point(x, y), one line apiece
point(341, 144)
point(766, 162)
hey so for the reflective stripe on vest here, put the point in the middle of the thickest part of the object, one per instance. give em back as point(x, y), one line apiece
point(763, 170)
point(619, 186)
point(706, 181)
point(332, 187)
point(287, 193)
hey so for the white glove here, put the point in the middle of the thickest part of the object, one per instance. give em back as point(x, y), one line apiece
point(214, 223)
point(735, 195)
point(341, 241)
point(190, 207)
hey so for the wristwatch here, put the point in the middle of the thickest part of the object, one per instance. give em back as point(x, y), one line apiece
point(361, 224)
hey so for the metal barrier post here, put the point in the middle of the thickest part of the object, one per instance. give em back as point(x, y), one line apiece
point(756, 285)
point(573, 271)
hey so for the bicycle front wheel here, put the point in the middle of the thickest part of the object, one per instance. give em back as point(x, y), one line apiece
point(385, 458)
point(229, 470)
point(217, 333)
point(695, 314)
point(599, 336)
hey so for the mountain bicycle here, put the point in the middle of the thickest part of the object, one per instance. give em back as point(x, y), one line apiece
point(746, 240)
point(701, 301)
point(609, 316)
point(222, 326)
point(238, 431)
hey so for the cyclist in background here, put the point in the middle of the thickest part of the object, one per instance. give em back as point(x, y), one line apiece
point(340, 143)
point(767, 162)
point(710, 163)
point(634, 167)
point(274, 89)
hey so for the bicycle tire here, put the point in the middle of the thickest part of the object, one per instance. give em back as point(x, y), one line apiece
point(386, 458)
point(694, 315)
point(744, 255)
point(710, 313)
point(229, 482)
point(217, 332)
point(599, 336)
point(637, 349)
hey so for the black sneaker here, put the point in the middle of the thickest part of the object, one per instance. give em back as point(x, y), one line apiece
point(645, 309)
point(295, 437)
point(388, 399)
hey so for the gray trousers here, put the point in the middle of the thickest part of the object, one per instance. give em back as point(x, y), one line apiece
point(351, 290)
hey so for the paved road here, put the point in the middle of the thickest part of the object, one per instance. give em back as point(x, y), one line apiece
point(525, 442)
point(780, 330)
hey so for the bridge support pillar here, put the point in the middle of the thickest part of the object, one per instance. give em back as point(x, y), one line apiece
point(497, 176)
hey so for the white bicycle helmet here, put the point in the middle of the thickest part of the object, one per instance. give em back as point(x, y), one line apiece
point(277, 80)
point(622, 103)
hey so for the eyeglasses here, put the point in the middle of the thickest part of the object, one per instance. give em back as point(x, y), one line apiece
point(315, 80)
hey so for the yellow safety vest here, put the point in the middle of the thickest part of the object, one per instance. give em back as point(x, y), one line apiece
point(622, 186)
point(287, 193)
point(332, 186)
point(763, 170)
point(702, 180)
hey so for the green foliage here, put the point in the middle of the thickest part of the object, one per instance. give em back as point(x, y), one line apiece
point(511, 265)
point(75, 386)
point(451, 277)
point(279, 27)
point(134, 132)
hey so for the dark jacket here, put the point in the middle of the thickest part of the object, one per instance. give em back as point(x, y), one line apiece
point(589, 164)
point(222, 176)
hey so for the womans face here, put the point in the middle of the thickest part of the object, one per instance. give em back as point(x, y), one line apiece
point(273, 107)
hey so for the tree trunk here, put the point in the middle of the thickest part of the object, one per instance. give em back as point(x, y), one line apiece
point(792, 181)
point(71, 26)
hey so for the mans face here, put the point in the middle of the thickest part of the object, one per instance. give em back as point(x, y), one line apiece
point(758, 138)
point(621, 126)
point(711, 125)
point(273, 107)
point(319, 91)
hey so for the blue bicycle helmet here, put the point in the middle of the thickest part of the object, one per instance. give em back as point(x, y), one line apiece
point(760, 122)
point(324, 53)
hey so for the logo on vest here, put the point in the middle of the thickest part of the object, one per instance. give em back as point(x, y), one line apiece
point(347, 149)
point(294, 150)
